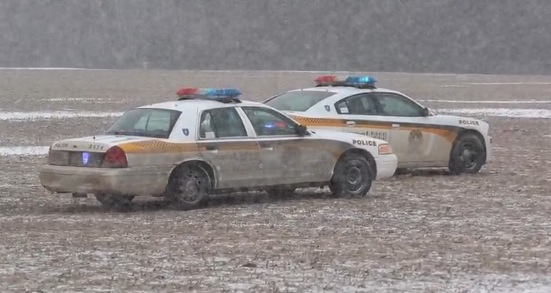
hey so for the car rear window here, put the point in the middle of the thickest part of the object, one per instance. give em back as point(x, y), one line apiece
point(298, 100)
point(148, 122)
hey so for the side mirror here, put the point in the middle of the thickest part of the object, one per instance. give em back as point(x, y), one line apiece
point(301, 130)
point(426, 112)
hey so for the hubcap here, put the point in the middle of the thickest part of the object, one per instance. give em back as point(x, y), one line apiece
point(190, 189)
point(354, 175)
point(354, 179)
point(469, 156)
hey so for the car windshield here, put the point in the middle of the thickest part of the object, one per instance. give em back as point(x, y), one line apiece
point(298, 100)
point(148, 122)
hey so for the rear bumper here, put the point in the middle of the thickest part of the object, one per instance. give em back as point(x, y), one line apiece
point(127, 181)
point(386, 166)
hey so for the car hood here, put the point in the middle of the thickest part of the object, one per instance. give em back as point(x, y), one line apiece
point(462, 121)
point(447, 117)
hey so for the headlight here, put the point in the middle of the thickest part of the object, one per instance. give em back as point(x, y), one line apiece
point(385, 149)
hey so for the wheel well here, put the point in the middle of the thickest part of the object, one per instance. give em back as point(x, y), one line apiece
point(470, 131)
point(364, 154)
point(196, 163)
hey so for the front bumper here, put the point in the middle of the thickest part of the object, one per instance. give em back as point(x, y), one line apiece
point(489, 148)
point(386, 166)
point(127, 181)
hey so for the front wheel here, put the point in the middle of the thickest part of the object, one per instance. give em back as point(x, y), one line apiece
point(189, 187)
point(352, 177)
point(114, 201)
point(467, 155)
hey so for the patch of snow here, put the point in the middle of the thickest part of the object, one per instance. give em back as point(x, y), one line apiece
point(36, 115)
point(5, 186)
point(83, 100)
point(46, 68)
point(498, 83)
point(489, 102)
point(453, 85)
point(510, 83)
point(24, 150)
point(501, 112)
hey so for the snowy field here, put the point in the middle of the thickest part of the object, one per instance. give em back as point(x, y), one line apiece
point(421, 232)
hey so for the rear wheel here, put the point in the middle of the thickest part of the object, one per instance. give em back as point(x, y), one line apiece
point(467, 155)
point(189, 187)
point(353, 177)
point(114, 201)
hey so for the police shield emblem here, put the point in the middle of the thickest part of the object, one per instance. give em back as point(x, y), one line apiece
point(185, 131)
point(327, 108)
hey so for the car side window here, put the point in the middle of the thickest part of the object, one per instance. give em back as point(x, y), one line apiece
point(396, 105)
point(221, 123)
point(156, 120)
point(147, 122)
point(363, 104)
point(269, 122)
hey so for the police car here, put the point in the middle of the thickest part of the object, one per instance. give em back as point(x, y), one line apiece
point(210, 141)
point(419, 136)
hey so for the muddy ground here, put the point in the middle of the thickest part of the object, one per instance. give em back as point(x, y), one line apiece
point(420, 232)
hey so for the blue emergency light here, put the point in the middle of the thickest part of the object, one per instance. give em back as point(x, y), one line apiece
point(361, 81)
point(221, 94)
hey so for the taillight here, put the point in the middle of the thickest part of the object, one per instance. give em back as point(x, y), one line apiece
point(114, 158)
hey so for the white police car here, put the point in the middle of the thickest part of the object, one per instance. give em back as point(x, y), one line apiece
point(210, 141)
point(419, 136)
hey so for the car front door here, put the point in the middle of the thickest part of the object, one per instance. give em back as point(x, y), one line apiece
point(414, 137)
point(287, 157)
point(227, 145)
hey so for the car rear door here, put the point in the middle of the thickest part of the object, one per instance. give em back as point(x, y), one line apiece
point(359, 115)
point(226, 144)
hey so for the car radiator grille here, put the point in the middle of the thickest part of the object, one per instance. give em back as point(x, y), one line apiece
point(75, 158)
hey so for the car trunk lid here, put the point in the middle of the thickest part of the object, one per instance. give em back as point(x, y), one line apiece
point(85, 151)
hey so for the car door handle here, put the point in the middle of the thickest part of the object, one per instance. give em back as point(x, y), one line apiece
point(211, 147)
point(395, 125)
point(350, 123)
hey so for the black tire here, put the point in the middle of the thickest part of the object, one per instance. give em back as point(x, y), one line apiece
point(114, 201)
point(353, 177)
point(468, 155)
point(189, 187)
point(280, 191)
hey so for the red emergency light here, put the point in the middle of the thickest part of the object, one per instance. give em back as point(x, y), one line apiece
point(326, 79)
point(187, 91)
